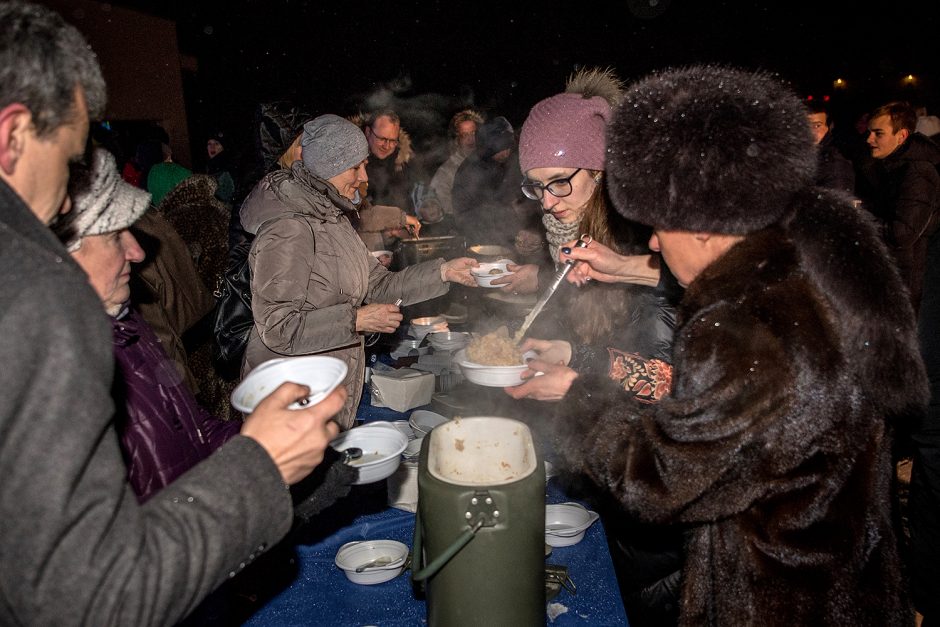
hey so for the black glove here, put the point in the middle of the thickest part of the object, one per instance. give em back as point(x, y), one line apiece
point(329, 482)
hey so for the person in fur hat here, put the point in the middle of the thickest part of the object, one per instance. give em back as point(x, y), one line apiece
point(792, 361)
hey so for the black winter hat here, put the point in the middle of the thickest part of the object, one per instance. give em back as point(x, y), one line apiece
point(494, 136)
point(708, 148)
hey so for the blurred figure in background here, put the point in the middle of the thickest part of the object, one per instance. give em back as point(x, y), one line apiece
point(463, 131)
point(219, 167)
point(165, 175)
point(488, 206)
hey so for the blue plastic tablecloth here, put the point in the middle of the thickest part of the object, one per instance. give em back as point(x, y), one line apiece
point(320, 594)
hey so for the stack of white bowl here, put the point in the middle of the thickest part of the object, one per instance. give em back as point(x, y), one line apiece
point(428, 324)
point(448, 341)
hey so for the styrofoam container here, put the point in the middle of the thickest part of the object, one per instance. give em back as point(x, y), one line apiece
point(403, 487)
point(321, 374)
point(486, 273)
point(353, 555)
point(565, 523)
point(448, 340)
point(493, 376)
point(381, 445)
point(422, 421)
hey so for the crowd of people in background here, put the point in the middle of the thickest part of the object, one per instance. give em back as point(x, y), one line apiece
point(782, 246)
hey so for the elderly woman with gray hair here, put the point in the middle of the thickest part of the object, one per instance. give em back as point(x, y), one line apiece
point(315, 287)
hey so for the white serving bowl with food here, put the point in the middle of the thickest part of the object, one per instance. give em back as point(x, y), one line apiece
point(370, 562)
point(493, 376)
point(321, 374)
point(448, 340)
point(380, 445)
point(565, 523)
point(422, 421)
point(486, 273)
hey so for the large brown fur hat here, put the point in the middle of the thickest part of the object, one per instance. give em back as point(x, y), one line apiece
point(708, 148)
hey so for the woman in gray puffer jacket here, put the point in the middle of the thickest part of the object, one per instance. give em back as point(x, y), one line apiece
point(315, 287)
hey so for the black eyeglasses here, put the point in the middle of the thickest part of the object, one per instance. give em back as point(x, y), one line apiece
point(559, 188)
point(387, 141)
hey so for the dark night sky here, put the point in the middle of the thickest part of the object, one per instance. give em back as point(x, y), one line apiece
point(504, 56)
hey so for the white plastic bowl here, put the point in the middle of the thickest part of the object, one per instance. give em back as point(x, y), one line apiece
point(492, 376)
point(321, 374)
point(401, 425)
point(428, 324)
point(448, 340)
point(565, 523)
point(484, 274)
point(353, 555)
point(422, 421)
point(382, 446)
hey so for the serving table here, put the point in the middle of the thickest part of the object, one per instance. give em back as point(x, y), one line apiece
point(316, 592)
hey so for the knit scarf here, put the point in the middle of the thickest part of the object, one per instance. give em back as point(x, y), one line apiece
point(558, 233)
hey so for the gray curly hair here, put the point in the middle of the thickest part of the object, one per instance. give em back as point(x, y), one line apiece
point(43, 59)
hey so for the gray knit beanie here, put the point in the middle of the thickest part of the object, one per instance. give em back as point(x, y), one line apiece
point(105, 203)
point(330, 145)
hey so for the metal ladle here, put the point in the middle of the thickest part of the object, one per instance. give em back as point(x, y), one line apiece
point(350, 454)
point(582, 242)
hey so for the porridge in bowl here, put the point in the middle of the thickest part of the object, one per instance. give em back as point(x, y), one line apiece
point(494, 349)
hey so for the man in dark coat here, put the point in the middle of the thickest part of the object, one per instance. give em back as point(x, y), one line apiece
point(74, 544)
point(792, 359)
point(904, 189)
point(834, 171)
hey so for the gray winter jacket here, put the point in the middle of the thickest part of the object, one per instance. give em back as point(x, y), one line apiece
point(75, 546)
point(310, 273)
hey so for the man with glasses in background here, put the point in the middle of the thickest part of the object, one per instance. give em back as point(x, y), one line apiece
point(393, 166)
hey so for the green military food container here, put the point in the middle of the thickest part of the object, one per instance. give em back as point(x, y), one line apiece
point(480, 529)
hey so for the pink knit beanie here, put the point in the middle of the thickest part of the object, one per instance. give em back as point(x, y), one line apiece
point(565, 131)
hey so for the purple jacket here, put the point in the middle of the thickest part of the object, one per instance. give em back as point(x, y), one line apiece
point(164, 431)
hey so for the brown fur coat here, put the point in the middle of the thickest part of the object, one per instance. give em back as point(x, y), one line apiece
point(794, 353)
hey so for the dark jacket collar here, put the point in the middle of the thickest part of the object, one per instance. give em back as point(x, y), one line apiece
point(19, 217)
point(916, 148)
